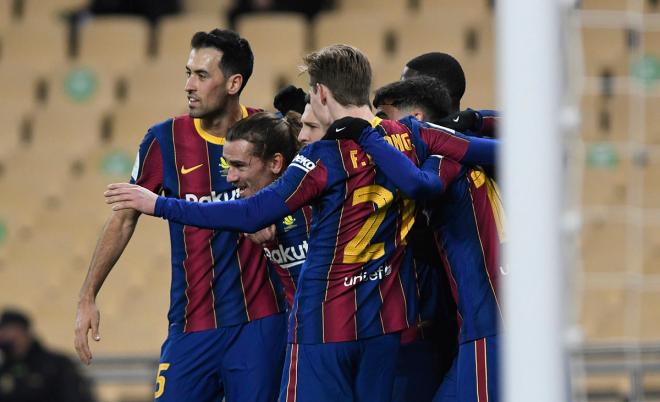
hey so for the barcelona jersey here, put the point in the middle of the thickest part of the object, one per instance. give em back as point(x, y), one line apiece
point(468, 221)
point(289, 250)
point(219, 278)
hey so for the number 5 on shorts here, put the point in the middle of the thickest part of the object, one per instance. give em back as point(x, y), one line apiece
point(160, 380)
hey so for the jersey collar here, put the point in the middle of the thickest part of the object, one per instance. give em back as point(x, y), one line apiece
point(213, 139)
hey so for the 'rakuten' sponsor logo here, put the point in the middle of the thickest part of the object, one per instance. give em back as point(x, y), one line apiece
point(214, 197)
point(288, 257)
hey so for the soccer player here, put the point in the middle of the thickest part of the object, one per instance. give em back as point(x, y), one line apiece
point(449, 72)
point(227, 329)
point(468, 221)
point(355, 292)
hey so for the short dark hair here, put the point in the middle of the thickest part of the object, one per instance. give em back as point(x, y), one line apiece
point(421, 91)
point(345, 70)
point(443, 67)
point(237, 57)
point(15, 317)
point(269, 134)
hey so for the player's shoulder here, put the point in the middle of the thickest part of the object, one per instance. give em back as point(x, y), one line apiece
point(249, 111)
point(393, 126)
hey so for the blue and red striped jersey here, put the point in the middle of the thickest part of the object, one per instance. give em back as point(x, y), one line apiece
point(468, 220)
point(357, 281)
point(219, 278)
point(289, 250)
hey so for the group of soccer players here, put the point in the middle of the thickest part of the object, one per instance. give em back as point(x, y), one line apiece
point(372, 253)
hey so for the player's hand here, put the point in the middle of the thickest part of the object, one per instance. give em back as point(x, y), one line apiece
point(466, 120)
point(346, 128)
point(290, 98)
point(87, 317)
point(264, 236)
point(130, 196)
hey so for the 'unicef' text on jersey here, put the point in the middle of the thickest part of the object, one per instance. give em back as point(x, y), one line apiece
point(377, 275)
point(214, 197)
point(288, 257)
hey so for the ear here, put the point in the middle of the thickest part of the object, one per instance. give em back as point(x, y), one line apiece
point(276, 164)
point(234, 83)
point(419, 114)
point(324, 92)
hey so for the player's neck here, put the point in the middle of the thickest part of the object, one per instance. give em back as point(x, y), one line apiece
point(218, 124)
point(362, 112)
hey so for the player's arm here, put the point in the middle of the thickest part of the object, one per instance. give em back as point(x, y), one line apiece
point(301, 182)
point(395, 165)
point(472, 122)
point(112, 241)
point(454, 145)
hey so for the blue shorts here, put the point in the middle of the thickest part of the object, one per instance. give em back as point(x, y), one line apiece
point(418, 372)
point(354, 371)
point(239, 363)
point(473, 376)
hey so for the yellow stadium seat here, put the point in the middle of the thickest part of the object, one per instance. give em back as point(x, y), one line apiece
point(651, 248)
point(651, 44)
point(32, 44)
point(130, 123)
point(367, 34)
point(80, 87)
point(466, 37)
point(60, 133)
point(465, 7)
point(374, 6)
point(286, 54)
point(209, 7)
point(606, 118)
point(603, 245)
point(603, 314)
point(649, 326)
point(652, 118)
point(605, 50)
point(175, 33)
point(115, 44)
point(610, 5)
point(158, 86)
point(51, 9)
point(6, 13)
point(606, 175)
point(651, 178)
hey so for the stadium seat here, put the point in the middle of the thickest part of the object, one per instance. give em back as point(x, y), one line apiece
point(606, 118)
point(652, 118)
point(129, 124)
point(605, 51)
point(465, 7)
point(175, 32)
point(651, 179)
point(466, 37)
point(604, 244)
point(37, 9)
point(651, 44)
point(367, 34)
point(606, 175)
point(209, 7)
point(651, 246)
point(649, 330)
point(604, 5)
point(116, 44)
point(292, 32)
point(19, 98)
point(603, 313)
point(263, 85)
point(61, 132)
point(6, 14)
point(371, 6)
point(80, 87)
point(158, 86)
point(39, 44)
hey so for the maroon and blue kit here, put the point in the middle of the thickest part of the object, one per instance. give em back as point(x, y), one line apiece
point(222, 285)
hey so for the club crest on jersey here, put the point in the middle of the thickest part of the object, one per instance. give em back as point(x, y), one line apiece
point(303, 163)
point(224, 166)
point(364, 276)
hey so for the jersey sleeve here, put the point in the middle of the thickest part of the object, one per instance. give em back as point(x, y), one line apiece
point(489, 122)
point(300, 183)
point(454, 145)
point(446, 169)
point(398, 168)
point(148, 168)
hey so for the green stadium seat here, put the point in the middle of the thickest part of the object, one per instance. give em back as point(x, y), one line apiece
point(607, 171)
